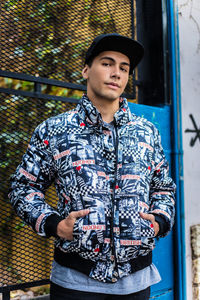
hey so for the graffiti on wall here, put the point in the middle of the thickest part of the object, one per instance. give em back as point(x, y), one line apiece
point(195, 131)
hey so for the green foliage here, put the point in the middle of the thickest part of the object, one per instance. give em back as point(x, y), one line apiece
point(49, 38)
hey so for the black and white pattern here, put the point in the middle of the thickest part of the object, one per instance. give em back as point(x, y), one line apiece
point(75, 152)
point(73, 190)
point(84, 190)
point(126, 214)
point(109, 155)
point(38, 143)
point(147, 233)
point(74, 130)
point(89, 255)
point(107, 212)
point(132, 152)
point(98, 276)
point(57, 131)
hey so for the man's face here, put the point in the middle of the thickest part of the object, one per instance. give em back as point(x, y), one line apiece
point(108, 76)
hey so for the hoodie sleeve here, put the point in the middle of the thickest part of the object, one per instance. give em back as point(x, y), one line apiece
point(162, 189)
point(30, 181)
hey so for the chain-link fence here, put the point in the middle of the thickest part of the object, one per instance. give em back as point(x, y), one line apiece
point(46, 39)
point(24, 256)
point(49, 38)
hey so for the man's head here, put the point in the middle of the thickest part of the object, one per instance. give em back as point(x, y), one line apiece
point(107, 76)
point(109, 61)
point(115, 42)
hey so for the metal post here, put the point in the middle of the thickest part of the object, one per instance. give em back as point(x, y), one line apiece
point(37, 88)
point(133, 37)
point(6, 295)
point(178, 152)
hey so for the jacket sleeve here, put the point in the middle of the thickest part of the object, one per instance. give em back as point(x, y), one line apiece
point(29, 183)
point(162, 189)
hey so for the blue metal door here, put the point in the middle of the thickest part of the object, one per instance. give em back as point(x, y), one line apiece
point(163, 253)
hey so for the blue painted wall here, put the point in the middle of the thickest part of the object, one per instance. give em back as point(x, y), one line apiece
point(163, 253)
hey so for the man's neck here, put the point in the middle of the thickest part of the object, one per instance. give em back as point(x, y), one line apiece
point(106, 108)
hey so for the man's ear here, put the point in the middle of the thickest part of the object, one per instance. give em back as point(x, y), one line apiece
point(85, 72)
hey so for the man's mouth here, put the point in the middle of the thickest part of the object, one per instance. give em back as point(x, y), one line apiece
point(113, 85)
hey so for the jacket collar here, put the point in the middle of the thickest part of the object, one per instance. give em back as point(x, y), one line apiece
point(93, 116)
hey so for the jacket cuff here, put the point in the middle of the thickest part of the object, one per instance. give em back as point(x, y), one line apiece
point(51, 224)
point(163, 225)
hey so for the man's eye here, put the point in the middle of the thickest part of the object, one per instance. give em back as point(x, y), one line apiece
point(105, 64)
point(124, 70)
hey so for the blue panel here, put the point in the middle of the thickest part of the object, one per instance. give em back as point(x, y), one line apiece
point(159, 116)
point(164, 295)
point(163, 259)
point(163, 253)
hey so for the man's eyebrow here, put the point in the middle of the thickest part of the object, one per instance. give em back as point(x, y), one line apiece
point(113, 60)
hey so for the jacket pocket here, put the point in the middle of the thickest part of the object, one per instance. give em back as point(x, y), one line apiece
point(136, 235)
point(128, 244)
point(147, 237)
point(88, 234)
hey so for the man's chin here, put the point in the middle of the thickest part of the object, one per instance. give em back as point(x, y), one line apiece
point(112, 98)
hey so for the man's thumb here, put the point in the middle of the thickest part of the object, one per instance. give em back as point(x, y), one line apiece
point(143, 215)
point(146, 216)
point(80, 213)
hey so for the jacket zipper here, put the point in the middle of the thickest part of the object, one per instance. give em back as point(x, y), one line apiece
point(113, 193)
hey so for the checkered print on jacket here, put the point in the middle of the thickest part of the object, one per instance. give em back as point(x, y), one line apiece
point(75, 151)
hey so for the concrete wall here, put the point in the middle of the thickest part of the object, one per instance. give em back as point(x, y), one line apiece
point(189, 35)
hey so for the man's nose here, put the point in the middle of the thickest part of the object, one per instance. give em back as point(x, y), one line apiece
point(115, 71)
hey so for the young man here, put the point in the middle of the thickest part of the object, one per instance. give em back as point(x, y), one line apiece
point(112, 181)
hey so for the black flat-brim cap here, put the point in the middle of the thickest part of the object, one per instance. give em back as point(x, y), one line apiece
point(116, 42)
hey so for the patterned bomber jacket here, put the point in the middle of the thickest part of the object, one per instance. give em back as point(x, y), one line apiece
point(116, 182)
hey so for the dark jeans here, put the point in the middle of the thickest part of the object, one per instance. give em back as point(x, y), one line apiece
point(59, 293)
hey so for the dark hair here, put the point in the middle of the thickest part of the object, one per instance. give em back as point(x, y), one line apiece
point(90, 61)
